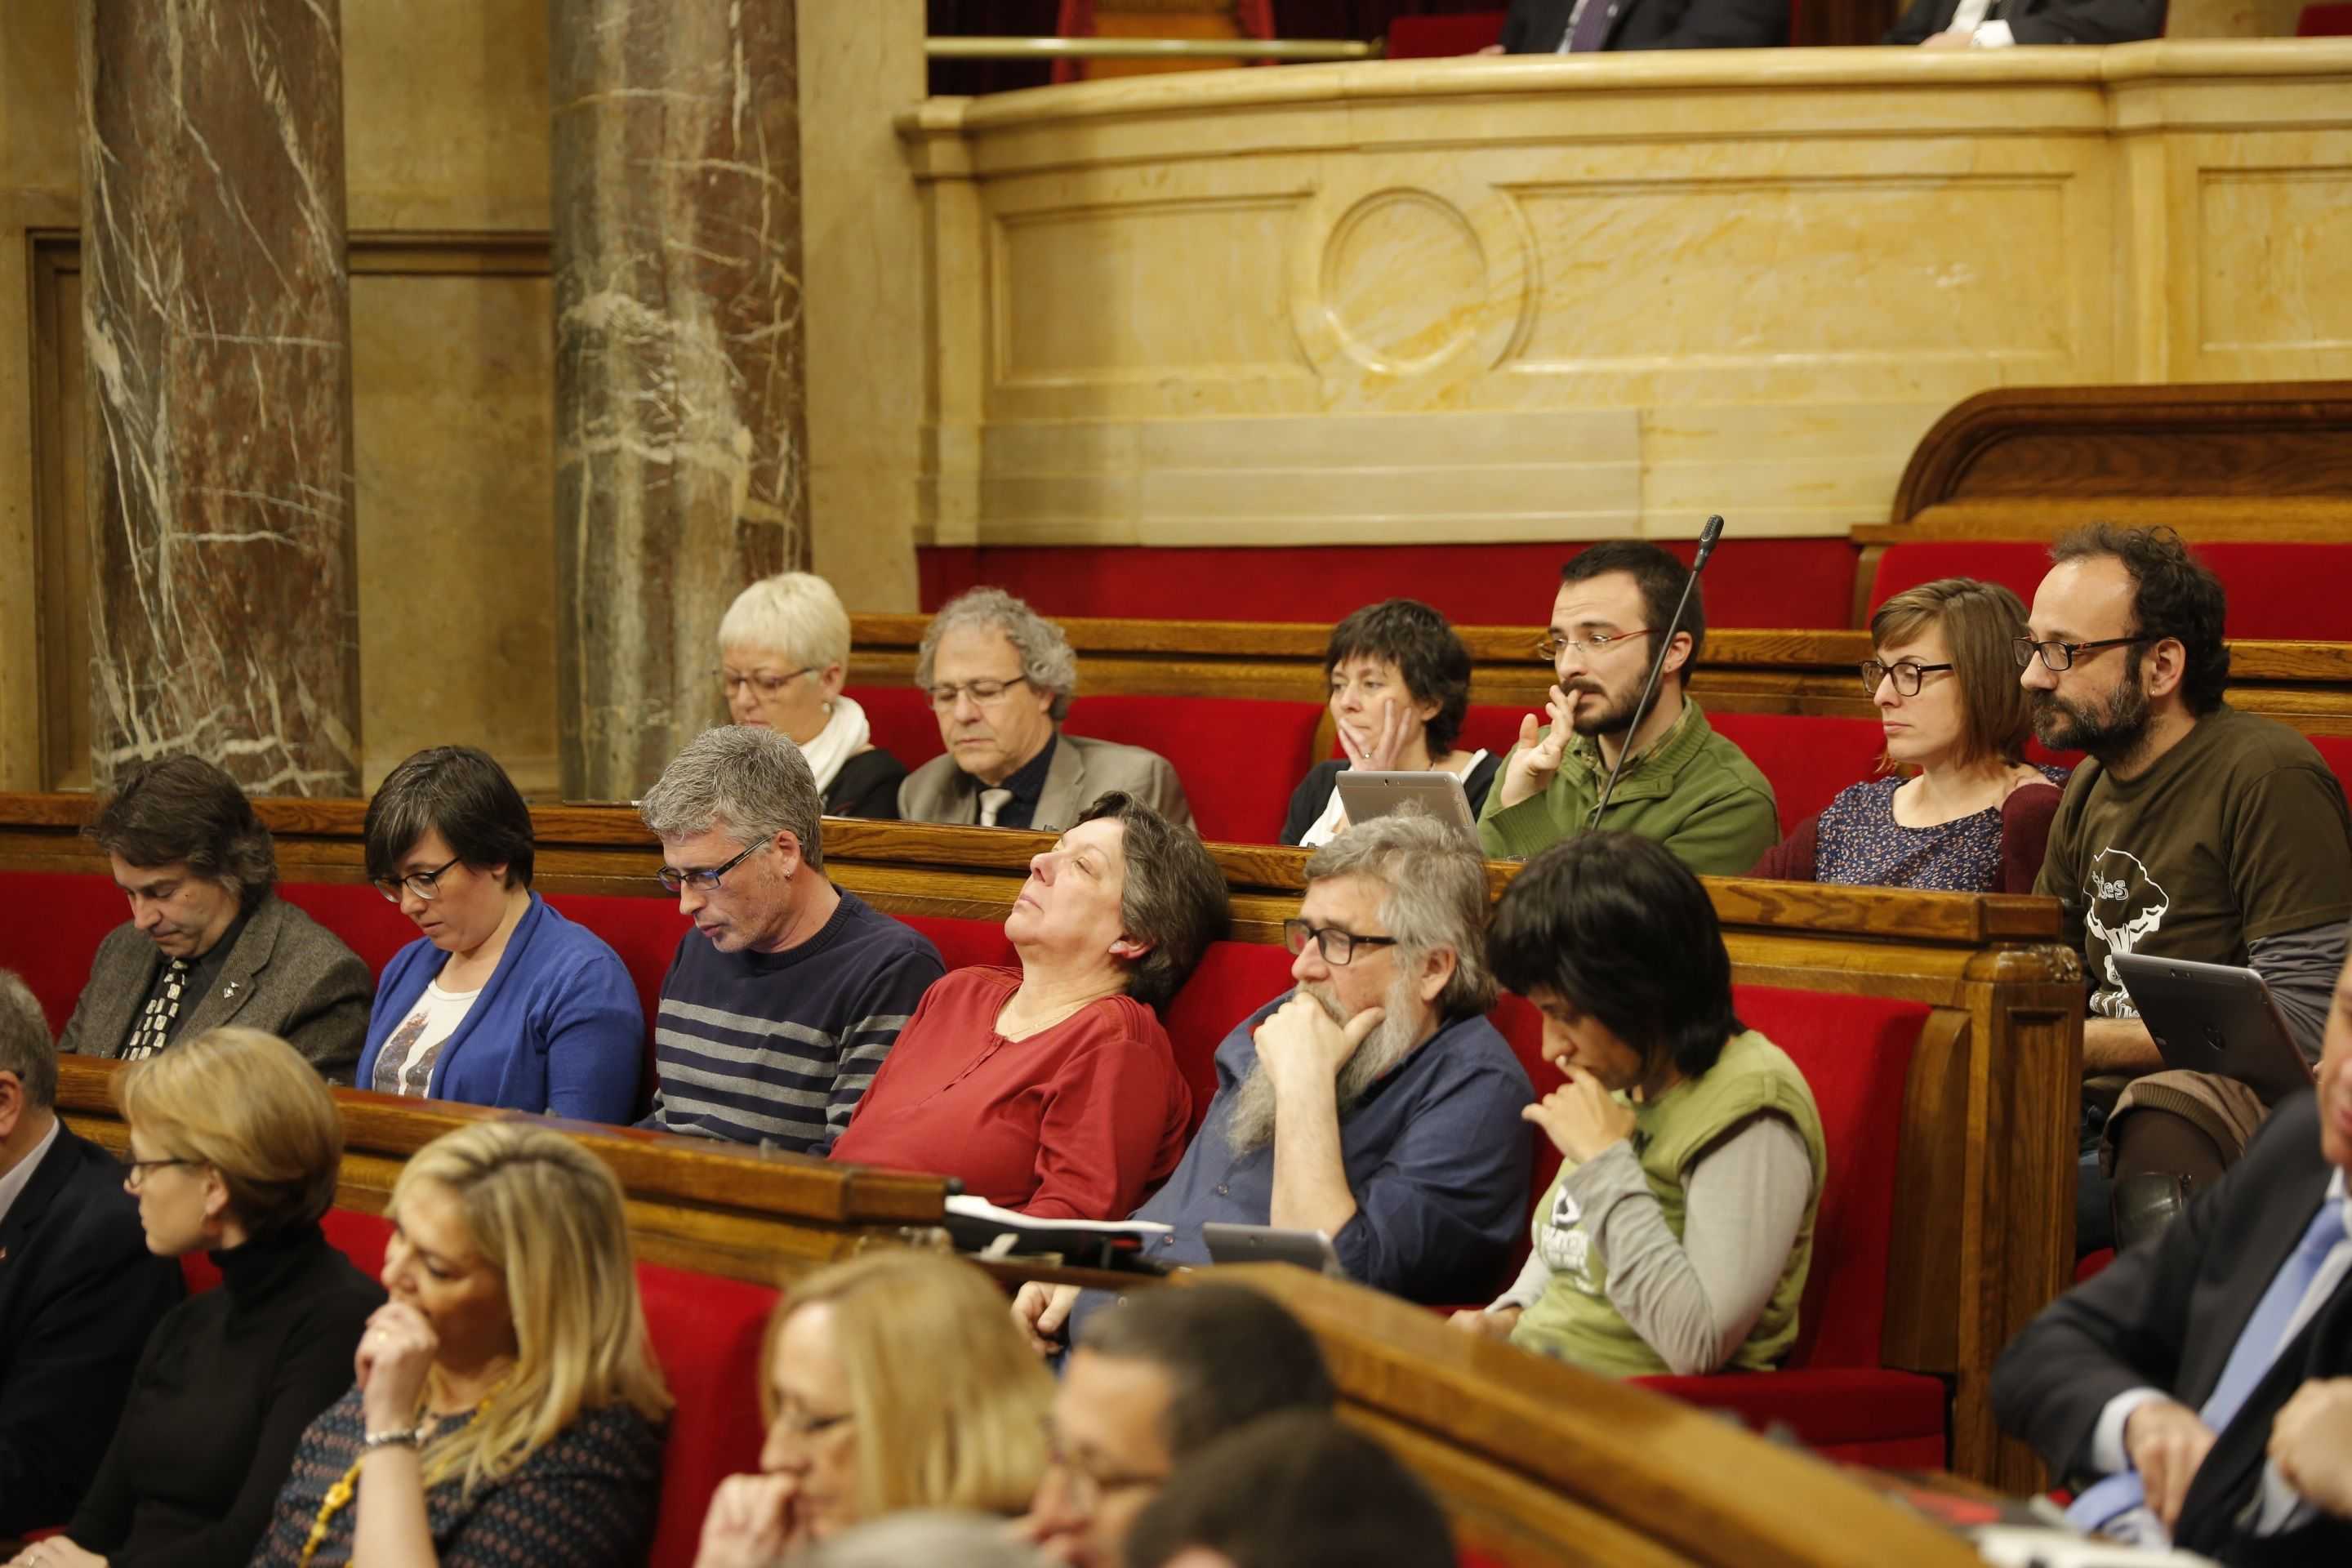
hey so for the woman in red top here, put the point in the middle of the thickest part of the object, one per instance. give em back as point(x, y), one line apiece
point(1052, 1089)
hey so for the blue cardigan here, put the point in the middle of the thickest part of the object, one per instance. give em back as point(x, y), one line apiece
point(558, 1029)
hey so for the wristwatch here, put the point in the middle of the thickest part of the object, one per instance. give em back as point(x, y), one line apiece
point(398, 1437)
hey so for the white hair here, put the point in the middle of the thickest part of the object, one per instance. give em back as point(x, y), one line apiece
point(793, 614)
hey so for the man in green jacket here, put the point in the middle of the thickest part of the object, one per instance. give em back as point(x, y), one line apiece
point(1683, 785)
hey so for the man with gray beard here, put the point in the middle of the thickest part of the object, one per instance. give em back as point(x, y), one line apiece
point(1372, 1102)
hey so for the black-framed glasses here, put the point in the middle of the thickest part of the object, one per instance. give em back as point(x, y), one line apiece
point(769, 685)
point(981, 691)
point(426, 885)
point(702, 879)
point(134, 1172)
point(1907, 674)
point(1549, 649)
point(1335, 945)
point(2061, 655)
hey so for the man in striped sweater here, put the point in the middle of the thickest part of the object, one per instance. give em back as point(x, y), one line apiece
point(788, 993)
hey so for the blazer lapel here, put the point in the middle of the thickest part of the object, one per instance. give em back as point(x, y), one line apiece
point(1059, 803)
point(2225, 1483)
point(118, 983)
point(233, 986)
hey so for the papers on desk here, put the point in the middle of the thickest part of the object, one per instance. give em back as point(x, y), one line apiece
point(980, 1226)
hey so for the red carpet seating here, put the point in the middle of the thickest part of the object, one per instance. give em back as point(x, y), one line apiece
point(2277, 591)
point(1437, 37)
point(1770, 583)
point(706, 1333)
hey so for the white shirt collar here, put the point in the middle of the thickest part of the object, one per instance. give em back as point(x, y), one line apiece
point(18, 1179)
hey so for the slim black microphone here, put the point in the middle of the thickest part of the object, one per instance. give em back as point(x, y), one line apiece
point(1708, 537)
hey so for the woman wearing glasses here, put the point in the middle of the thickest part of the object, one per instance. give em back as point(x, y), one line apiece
point(1052, 1089)
point(1967, 814)
point(784, 653)
point(502, 1001)
point(508, 1408)
point(234, 1145)
point(1400, 681)
point(890, 1382)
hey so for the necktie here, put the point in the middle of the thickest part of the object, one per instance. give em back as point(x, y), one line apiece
point(993, 801)
point(155, 1023)
point(2258, 1346)
point(1591, 28)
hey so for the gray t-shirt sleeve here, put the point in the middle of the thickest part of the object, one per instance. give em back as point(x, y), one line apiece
point(2300, 967)
point(1695, 1301)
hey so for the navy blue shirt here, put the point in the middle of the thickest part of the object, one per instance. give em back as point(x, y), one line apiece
point(1435, 1153)
point(778, 1047)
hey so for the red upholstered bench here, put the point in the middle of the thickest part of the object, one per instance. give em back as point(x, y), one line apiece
point(900, 720)
point(2277, 590)
point(706, 1333)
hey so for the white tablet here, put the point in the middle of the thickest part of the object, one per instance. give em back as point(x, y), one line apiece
point(1437, 795)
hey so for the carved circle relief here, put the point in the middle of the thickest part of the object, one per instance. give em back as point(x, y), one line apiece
point(1405, 281)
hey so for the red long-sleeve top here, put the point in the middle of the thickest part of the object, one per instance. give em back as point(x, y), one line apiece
point(1083, 1121)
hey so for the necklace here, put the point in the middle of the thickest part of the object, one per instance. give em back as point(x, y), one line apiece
point(347, 1486)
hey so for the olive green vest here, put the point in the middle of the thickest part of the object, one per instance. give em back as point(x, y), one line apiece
point(1575, 1319)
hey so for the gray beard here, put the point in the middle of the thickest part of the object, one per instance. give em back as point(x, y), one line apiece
point(1251, 1124)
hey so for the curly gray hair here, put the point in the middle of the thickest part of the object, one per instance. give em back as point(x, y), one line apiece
point(752, 783)
point(1046, 661)
point(1436, 882)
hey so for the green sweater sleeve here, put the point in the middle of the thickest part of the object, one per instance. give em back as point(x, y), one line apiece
point(1728, 838)
point(1516, 832)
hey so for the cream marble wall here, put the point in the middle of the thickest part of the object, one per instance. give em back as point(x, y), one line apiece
point(1545, 298)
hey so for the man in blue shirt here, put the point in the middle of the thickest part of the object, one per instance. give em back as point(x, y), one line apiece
point(1374, 1102)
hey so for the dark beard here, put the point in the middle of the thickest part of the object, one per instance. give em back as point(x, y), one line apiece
point(2109, 734)
point(1615, 718)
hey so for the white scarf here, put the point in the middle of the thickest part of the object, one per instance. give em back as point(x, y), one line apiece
point(844, 735)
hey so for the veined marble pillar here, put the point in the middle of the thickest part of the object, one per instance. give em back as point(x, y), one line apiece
point(678, 361)
point(215, 314)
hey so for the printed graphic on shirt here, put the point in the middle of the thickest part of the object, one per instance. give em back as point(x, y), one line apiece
point(1562, 1244)
point(395, 1074)
point(2125, 906)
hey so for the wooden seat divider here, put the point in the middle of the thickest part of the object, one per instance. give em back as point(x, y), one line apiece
point(1984, 1216)
point(1538, 1466)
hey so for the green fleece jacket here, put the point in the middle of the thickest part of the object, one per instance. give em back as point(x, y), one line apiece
point(1694, 792)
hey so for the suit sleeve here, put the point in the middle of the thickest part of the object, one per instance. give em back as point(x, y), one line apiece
point(330, 1023)
point(71, 1372)
point(2124, 1329)
point(1166, 791)
point(595, 1044)
point(78, 1037)
point(1725, 838)
point(1921, 21)
point(2091, 22)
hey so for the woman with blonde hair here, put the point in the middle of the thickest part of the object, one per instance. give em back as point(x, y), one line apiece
point(508, 1395)
point(783, 654)
point(890, 1382)
point(234, 1145)
point(1958, 808)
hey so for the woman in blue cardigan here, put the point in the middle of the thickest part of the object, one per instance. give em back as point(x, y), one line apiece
point(502, 1001)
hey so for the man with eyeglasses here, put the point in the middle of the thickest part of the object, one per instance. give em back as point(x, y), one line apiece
point(1001, 677)
point(789, 992)
point(2192, 831)
point(79, 1292)
point(1147, 1388)
point(1373, 1101)
point(1682, 783)
point(209, 941)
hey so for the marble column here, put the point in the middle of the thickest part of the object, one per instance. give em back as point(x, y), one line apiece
point(679, 428)
point(216, 316)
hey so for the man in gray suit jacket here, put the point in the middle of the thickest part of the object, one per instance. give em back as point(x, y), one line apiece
point(209, 941)
point(1001, 677)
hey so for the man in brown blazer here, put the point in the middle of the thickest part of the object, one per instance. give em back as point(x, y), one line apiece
point(1001, 677)
point(209, 941)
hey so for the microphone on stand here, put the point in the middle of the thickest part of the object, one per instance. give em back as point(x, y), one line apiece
point(1708, 537)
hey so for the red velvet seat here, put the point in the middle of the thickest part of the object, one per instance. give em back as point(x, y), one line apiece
point(2277, 591)
point(2324, 22)
point(899, 720)
point(1436, 37)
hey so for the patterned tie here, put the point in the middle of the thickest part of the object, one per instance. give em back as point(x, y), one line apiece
point(155, 1023)
point(1590, 30)
point(2258, 1346)
point(993, 801)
